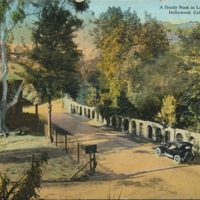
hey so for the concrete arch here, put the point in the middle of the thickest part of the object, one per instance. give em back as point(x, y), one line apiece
point(141, 128)
point(150, 132)
point(97, 116)
point(80, 113)
point(107, 121)
point(120, 124)
point(148, 129)
point(74, 109)
point(179, 137)
point(89, 113)
point(114, 121)
point(133, 127)
point(93, 114)
point(159, 136)
point(167, 136)
point(85, 112)
point(126, 124)
point(190, 139)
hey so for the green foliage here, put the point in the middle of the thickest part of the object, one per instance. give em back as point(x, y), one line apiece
point(116, 32)
point(126, 108)
point(55, 52)
point(188, 109)
point(19, 14)
point(26, 187)
point(127, 48)
point(90, 72)
point(87, 95)
point(168, 111)
point(190, 41)
point(106, 111)
point(31, 94)
point(189, 102)
point(4, 6)
point(146, 104)
point(91, 97)
point(140, 68)
point(153, 39)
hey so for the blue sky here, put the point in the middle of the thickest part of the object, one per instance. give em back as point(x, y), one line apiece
point(153, 7)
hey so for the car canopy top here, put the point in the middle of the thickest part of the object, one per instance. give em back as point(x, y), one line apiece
point(179, 143)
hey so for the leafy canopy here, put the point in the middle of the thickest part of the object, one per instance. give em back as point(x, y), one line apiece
point(54, 51)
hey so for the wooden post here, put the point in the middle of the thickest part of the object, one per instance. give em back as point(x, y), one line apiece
point(94, 162)
point(56, 137)
point(78, 152)
point(32, 161)
point(36, 109)
point(90, 161)
point(66, 142)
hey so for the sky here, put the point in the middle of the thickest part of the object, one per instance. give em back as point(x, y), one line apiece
point(163, 10)
point(174, 11)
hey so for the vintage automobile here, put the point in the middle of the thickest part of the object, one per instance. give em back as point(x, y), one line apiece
point(180, 151)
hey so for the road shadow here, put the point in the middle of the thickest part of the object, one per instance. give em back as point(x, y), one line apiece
point(25, 155)
point(117, 142)
point(101, 176)
point(196, 160)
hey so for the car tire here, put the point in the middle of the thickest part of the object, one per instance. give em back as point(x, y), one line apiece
point(188, 157)
point(177, 158)
point(158, 151)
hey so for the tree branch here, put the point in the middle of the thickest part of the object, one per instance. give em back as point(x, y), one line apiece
point(16, 97)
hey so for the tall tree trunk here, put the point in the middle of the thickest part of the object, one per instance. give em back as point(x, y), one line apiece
point(49, 119)
point(4, 71)
point(3, 110)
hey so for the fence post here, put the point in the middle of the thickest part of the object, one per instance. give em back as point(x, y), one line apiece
point(66, 142)
point(56, 137)
point(94, 162)
point(32, 161)
point(90, 161)
point(53, 135)
point(78, 152)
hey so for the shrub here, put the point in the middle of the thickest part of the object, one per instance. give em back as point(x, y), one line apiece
point(25, 187)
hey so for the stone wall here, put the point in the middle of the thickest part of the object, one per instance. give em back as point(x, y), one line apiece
point(151, 130)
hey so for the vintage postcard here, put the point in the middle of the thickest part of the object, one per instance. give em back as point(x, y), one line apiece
point(100, 99)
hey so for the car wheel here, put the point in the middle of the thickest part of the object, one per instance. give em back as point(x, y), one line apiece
point(158, 151)
point(188, 156)
point(177, 158)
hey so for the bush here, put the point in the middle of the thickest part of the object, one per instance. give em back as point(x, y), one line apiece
point(24, 188)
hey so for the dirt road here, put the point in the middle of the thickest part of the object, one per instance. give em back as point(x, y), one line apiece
point(131, 173)
point(73, 123)
point(127, 168)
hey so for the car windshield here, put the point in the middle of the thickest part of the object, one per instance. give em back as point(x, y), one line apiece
point(172, 146)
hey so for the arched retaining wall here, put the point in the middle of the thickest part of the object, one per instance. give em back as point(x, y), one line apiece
point(151, 130)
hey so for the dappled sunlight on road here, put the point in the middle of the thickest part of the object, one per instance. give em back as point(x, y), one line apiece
point(43, 109)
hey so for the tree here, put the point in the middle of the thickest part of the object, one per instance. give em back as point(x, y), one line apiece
point(116, 33)
point(55, 53)
point(168, 111)
point(153, 40)
point(188, 109)
point(11, 13)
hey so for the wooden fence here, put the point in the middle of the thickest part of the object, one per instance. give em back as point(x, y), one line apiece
point(67, 142)
point(22, 120)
